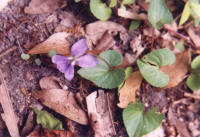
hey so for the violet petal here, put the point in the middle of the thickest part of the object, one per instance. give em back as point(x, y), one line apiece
point(69, 73)
point(61, 61)
point(79, 48)
point(87, 61)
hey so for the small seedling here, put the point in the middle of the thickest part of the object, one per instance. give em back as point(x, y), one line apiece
point(52, 53)
point(38, 62)
point(25, 56)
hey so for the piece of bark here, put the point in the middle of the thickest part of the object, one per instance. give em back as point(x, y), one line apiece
point(63, 102)
point(194, 36)
point(29, 125)
point(100, 114)
point(8, 116)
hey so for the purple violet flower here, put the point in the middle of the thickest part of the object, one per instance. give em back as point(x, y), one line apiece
point(66, 64)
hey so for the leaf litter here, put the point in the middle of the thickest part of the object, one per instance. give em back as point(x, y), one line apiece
point(60, 98)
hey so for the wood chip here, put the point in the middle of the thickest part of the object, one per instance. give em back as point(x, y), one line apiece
point(131, 15)
point(8, 116)
point(99, 114)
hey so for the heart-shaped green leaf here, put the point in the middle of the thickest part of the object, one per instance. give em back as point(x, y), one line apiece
point(138, 122)
point(100, 10)
point(102, 75)
point(159, 14)
point(160, 57)
point(112, 57)
point(195, 65)
point(25, 56)
point(193, 82)
point(47, 120)
point(152, 74)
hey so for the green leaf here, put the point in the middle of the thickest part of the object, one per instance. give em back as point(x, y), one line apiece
point(47, 120)
point(195, 65)
point(38, 62)
point(25, 56)
point(100, 10)
point(185, 14)
point(196, 8)
point(138, 122)
point(128, 72)
point(51, 53)
point(112, 57)
point(102, 75)
point(180, 46)
point(134, 25)
point(193, 82)
point(152, 74)
point(127, 2)
point(159, 14)
point(113, 3)
point(160, 57)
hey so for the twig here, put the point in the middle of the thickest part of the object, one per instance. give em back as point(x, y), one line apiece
point(110, 113)
point(8, 51)
point(179, 35)
point(191, 95)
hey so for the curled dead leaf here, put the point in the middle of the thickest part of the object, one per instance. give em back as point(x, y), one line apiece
point(62, 102)
point(56, 42)
point(128, 92)
point(131, 14)
point(97, 29)
point(43, 6)
point(178, 70)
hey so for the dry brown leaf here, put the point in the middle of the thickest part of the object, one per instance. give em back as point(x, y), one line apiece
point(43, 6)
point(195, 37)
point(50, 82)
point(128, 92)
point(68, 20)
point(178, 70)
point(106, 42)
point(39, 132)
point(96, 30)
point(131, 14)
point(62, 102)
point(56, 42)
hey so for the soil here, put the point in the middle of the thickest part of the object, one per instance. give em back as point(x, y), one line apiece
point(25, 31)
